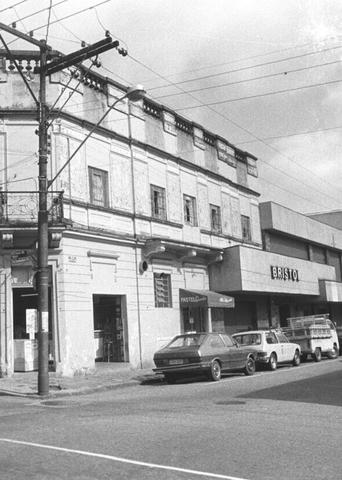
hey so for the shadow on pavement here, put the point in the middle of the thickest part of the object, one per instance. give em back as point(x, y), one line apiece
point(322, 390)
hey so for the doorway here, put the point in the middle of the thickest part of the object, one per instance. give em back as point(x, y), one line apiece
point(110, 330)
point(25, 329)
point(194, 319)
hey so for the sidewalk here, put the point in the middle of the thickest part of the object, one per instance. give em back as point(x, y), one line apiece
point(106, 376)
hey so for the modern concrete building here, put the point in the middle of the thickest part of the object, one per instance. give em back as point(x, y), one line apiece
point(137, 219)
point(298, 272)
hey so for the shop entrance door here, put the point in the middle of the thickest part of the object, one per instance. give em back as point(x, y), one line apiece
point(109, 328)
point(194, 319)
point(25, 330)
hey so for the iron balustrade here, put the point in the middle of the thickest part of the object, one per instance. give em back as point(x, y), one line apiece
point(21, 207)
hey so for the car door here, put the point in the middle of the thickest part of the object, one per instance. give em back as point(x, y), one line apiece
point(218, 349)
point(237, 355)
point(286, 346)
point(273, 345)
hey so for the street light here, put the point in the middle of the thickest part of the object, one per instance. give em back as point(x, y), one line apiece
point(133, 93)
point(57, 63)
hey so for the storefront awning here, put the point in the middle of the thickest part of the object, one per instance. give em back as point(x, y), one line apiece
point(204, 298)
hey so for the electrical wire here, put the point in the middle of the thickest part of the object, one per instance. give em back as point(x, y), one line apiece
point(298, 195)
point(70, 94)
point(15, 11)
point(260, 95)
point(248, 67)
point(251, 57)
point(72, 14)
point(39, 11)
point(64, 18)
point(48, 24)
point(67, 29)
point(12, 6)
point(175, 83)
point(262, 77)
point(246, 131)
point(306, 132)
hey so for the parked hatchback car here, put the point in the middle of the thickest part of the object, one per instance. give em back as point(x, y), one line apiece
point(271, 347)
point(207, 354)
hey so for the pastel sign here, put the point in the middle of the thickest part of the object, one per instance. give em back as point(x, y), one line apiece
point(284, 273)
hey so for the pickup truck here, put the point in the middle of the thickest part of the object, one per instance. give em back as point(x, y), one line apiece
point(316, 335)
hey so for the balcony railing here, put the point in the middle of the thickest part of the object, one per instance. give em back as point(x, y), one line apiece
point(21, 207)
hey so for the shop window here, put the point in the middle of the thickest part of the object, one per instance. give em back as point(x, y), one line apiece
point(158, 203)
point(98, 182)
point(190, 217)
point(318, 254)
point(215, 218)
point(162, 290)
point(334, 259)
point(246, 228)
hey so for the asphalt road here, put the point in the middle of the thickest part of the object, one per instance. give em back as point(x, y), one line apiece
point(275, 425)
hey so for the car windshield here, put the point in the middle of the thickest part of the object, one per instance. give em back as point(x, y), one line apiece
point(248, 339)
point(186, 341)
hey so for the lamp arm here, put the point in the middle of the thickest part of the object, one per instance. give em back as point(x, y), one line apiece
point(50, 182)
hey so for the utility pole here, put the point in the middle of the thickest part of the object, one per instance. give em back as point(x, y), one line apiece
point(43, 236)
point(57, 63)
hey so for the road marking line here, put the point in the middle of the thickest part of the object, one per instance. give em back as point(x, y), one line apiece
point(122, 460)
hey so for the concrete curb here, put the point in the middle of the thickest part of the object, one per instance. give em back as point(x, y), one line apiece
point(84, 390)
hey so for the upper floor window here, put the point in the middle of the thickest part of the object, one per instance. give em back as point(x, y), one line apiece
point(252, 167)
point(98, 182)
point(158, 202)
point(246, 228)
point(190, 217)
point(162, 290)
point(215, 218)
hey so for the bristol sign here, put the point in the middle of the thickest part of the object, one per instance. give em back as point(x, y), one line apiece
point(284, 273)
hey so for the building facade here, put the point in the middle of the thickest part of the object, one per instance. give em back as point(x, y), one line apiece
point(297, 273)
point(137, 220)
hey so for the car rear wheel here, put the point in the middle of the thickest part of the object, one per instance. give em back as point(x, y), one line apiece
point(250, 366)
point(317, 356)
point(215, 371)
point(296, 359)
point(272, 363)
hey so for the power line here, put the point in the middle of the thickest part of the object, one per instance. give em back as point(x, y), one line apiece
point(252, 57)
point(49, 19)
point(67, 16)
point(67, 29)
point(12, 6)
point(270, 75)
point(39, 11)
point(73, 14)
point(272, 62)
point(306, 132)
point(247, 131)
point(267, 94)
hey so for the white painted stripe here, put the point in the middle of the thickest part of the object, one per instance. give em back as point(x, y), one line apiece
point(122, 460)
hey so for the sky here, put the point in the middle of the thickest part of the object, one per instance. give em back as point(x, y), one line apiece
point(264, 74)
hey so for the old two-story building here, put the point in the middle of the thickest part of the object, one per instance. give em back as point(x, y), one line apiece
point(297, 273)
point(141, 214)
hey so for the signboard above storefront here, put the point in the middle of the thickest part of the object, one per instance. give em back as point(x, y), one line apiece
point(284, 273)
point(204, 298)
